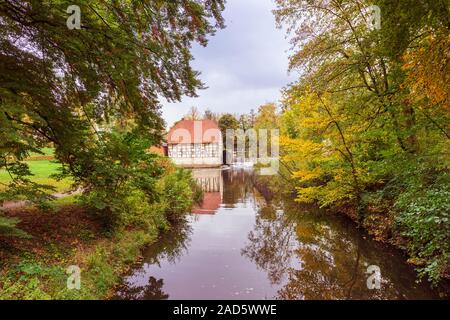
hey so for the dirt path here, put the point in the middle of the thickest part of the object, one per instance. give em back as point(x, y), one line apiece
point(17, 204)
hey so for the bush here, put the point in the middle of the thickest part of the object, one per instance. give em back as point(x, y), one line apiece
point(118, 177)
point(179, 191)
point(425, 220)
point(27, 279)
point(126, 185)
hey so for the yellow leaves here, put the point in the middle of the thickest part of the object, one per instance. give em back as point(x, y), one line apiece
point(324, 194)
point(305, 175)
point(267, 117)
point(315, 121)
point(318, 131)
point(304, 112)
point(340, 175)
point(308, 194)
point(300, 144)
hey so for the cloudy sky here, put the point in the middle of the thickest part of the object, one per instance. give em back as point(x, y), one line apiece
point(243, 66)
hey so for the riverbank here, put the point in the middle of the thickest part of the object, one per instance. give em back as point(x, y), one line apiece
point(254, 246)
point(379, 223)
point(35, 267)
point(40, 245)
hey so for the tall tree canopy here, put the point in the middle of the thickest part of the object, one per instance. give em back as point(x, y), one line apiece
point(367, 124)
point(193, 114)
point(59, 85)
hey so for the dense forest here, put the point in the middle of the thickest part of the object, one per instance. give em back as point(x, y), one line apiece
point(365, 130)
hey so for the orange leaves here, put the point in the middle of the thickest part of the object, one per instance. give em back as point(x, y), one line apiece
point(428, 70)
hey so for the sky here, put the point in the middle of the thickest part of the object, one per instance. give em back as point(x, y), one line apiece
point(244, 65)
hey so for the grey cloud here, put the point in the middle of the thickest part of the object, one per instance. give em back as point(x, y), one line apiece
point(243, 66)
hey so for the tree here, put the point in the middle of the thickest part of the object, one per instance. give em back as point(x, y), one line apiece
point(320, 139)
point(244, 122)
point(266, 117)
point(193, 114)
point(365, 125)
point(228, 121)
point(209, 115)
point(59, 85)
point(252, 117)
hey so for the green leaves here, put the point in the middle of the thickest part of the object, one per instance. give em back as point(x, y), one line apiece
point(178, 193)
point(424, 218)
point(366, 124)
point(94, 93)
point(63, 86)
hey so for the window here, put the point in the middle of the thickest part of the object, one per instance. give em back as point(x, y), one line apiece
point(194, 150)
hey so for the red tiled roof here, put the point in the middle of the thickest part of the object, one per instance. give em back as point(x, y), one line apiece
point(194, 131)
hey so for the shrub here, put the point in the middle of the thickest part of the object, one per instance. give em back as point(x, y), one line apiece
point(178, 192)
point(425, 220)
point(126, 185)
point(118, 177)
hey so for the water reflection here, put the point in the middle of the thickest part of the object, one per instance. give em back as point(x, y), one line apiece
point(151, 291)
point(270, 243)
point(169, 248)
point(318, 256)
point(238, 187)
point(257, 247)
point(211, 182)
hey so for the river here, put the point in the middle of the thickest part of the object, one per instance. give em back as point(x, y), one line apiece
point(239, 245)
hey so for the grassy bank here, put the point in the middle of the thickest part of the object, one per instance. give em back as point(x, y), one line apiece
point(42, 166)
point(35, 268)
point(74, 234)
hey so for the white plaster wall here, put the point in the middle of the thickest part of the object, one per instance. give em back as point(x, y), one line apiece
point(201, 162)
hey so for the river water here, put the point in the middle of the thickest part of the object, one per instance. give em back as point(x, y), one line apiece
point(239, 245)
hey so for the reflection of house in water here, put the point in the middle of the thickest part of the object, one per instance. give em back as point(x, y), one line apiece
point(211, 182)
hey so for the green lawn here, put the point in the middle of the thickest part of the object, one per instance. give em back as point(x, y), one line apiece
point(42, 170)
